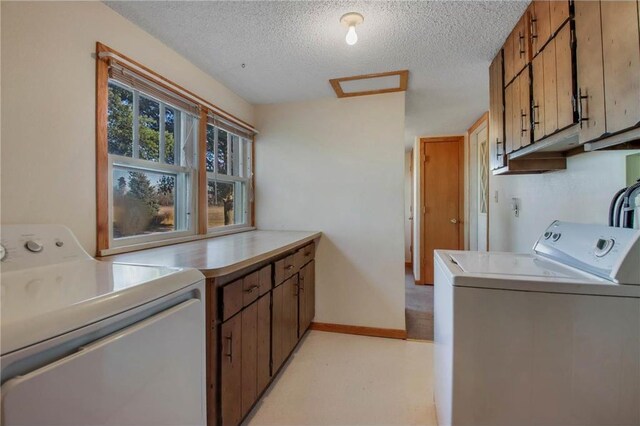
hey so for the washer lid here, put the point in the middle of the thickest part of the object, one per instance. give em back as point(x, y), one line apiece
point(37, 304)
point(513, 264)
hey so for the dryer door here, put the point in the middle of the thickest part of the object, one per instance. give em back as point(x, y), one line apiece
point(151, 373)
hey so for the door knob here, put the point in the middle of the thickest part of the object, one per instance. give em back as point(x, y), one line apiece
point(454, 221)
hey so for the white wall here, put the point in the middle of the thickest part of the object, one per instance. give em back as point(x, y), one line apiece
point(48, 105)
point(408, 198)
point(336, 166)
point(581, 193)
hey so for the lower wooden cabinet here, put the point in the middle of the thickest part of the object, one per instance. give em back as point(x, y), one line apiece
point(231, 371)
point(256, 341)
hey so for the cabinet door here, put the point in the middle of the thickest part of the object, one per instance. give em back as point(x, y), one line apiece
point(277, 328)
point(564, 78)
point(309, 295)
point(264, 343)
point(621, 52)
point(290, 313)
point(508, 59)
point(249, 356)
point(508, 114)
point(559, 13)
point(521, 44)
point(496, 111)
point(231, 371)
point(550, 95)
point(540, 24)
point(537, 111)
point(525, 108)
point(590, 69)
point(516, 116)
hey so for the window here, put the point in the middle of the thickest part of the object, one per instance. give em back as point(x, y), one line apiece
point(228, 164)
point(152, 162)
point(170, 166)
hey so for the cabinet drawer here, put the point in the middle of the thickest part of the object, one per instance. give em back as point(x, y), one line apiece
point(232, 299)
point(285, 268)
point(305, 255)
point(265, 282)
point(250, 288)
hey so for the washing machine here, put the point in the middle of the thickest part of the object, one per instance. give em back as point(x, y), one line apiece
point(551, 337)
point(85, 342)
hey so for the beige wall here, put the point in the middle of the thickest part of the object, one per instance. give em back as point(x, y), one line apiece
point(48, 104)
point(581, 193)
point(336, 166)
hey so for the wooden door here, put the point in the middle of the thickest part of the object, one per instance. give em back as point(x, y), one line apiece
point(509, 58)
point(277, 329)
point(231, 371)
point(590, 69)
point(307, 298)
point(564, 78)
point(249, 356)
point(496, 113)
point(525, 107)
point(559, 13)
point(442, 194)
point(621, 52)
point(264, 343)
point(508, 117)
point(537, 111)
point(540, 24)
point(550, 87)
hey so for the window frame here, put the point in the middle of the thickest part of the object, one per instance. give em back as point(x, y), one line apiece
point(245, 178)
point(197, 175)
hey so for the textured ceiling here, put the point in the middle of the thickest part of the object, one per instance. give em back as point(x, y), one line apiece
point(291, 49)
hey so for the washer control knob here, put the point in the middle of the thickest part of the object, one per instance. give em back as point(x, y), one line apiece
point(3, 252)
point(556, 237)
point(34, 246)
point(603, 246)
point(547, 235)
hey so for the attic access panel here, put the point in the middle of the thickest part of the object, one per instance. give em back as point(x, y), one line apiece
point(371, 84)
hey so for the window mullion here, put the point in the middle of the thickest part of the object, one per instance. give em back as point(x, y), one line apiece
point(161, 147)
point(136, 125)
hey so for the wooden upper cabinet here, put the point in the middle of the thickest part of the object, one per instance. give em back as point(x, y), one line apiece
point(496, 113)
point(537, 110)
point(540, 24)
point(513, 116)
point(590, 69)
point(558, 14)
point(550, 87)
point(525, 107)
point(521, 49)
point(508, 117)
point(509, 65)
point(621, 55)
point(564, 78)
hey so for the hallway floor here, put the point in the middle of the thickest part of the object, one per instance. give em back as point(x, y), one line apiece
point(418, 308)
point(339, 379)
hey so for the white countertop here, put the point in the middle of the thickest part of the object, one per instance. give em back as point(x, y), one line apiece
point(218, 256)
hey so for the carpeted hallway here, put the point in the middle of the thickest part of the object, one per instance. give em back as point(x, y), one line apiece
point(418, 308)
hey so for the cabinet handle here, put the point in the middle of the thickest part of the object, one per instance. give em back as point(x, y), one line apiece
point(534, 28)
point(289, 267)
point(582, 97)
point(252, 288)
point(523, 120)
point(301, 284)
point(521, 44)
point(296, 286)
point(535, 113)
point(498, 154)
point(307, 254)
point(230, 354)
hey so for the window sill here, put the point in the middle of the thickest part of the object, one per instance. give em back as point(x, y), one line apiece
point(172, 241)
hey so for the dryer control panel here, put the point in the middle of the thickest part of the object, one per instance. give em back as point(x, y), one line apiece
point(607, 252)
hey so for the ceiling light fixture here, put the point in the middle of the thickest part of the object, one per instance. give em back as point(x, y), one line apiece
point(350, 20)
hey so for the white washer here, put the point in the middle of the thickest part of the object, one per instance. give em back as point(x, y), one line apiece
point(85, 342)
point(548, 338)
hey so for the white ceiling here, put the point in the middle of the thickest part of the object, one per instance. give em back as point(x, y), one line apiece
point(292, 48)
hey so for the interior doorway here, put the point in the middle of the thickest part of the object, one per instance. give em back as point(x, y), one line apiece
point(442, 200)
point(478, 185)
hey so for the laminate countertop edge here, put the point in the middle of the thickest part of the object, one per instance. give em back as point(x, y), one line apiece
point(222, 270)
